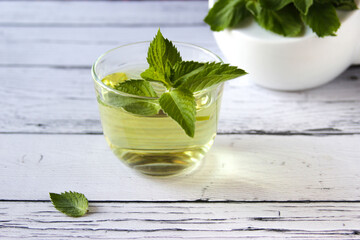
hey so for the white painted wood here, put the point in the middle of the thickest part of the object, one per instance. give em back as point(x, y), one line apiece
point(67, 46)
point(102, 13)
point(238, 167)
point(40, 220)
point(54, 100)
point(45, 51)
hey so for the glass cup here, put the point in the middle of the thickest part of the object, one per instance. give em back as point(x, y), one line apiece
point(154, 145)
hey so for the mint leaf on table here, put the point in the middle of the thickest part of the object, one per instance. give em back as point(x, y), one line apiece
point(210, 74)
point(303, 5)
point(162, 56)
point(70, 203)
point(322, 19)
point(226, 13)
point(180, 105)
point(286, 21)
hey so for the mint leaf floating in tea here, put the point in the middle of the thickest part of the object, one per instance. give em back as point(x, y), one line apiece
point(284, 17)
point(70, 203)
point(179, 80)
point(184, 70)
point(208, 75)
point(142, 88)
point(137, 87)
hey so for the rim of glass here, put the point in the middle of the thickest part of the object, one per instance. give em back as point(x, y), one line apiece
point(98, 80)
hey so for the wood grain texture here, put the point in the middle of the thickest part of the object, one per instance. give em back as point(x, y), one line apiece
point(238, 168)
point(79, 47)
point(62, 100)
point(40, 220)
point(102, 13)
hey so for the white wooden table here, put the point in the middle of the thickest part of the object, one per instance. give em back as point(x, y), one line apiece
point(284, 165)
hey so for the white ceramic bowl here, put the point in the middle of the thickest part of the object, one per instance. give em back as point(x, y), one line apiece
point(292, 63)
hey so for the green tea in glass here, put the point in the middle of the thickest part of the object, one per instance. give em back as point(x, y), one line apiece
point(159, 109)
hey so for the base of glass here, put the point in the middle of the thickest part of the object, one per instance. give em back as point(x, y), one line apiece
point(162, 163)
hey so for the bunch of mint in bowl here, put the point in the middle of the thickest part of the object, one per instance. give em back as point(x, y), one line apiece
point(284, 17)
point(161, 119)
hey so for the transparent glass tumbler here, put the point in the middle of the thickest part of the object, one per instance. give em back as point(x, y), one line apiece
point(154, 145)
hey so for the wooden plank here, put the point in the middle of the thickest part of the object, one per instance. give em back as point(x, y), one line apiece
point(62, 100)
point(102, 13)
point(39, 220)
point(81, 46)
point(238, 167)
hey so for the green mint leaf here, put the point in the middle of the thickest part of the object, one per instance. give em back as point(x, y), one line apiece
point(303, 5)
point(136, 87)
point(208, 75)
point(286, 21)
point(226, 13)
point(70, 203)
point(162, 56)
point(345, 4)
point(254, 8)
point(133, 105)
point(180, 105)
point(184, 70)
point(142, 108)
point(274, 4)
point(322, 19)
point(151, 74)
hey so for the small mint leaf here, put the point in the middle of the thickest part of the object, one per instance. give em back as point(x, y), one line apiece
point(274, 4)
point(180, 105)
point(322, 19)
point(70, 203)
point(136, 87)
point(210, 74)
point(226, 13)
point(286, 21)
point(303, 5)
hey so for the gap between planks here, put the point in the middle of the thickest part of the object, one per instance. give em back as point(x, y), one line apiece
point(183, 221)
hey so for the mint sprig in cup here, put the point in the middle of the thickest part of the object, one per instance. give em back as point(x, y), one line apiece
point(159, 103)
